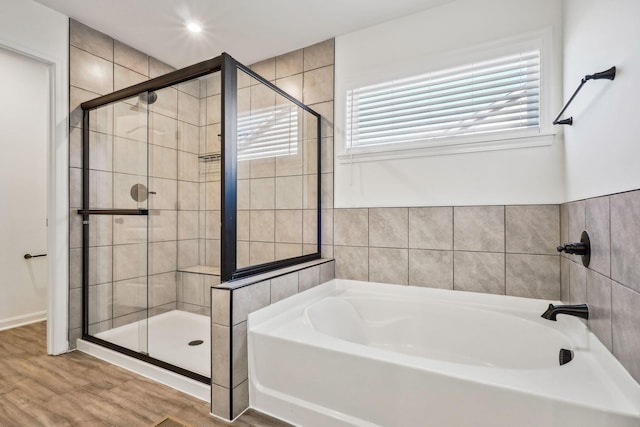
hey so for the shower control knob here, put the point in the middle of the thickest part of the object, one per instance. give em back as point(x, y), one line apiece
point(582, 248)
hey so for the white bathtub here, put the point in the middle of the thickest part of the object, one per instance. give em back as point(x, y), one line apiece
point(352, 353)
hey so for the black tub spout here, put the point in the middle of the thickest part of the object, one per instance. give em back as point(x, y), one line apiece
point(578, 310)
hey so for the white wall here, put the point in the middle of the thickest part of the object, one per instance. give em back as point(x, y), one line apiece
point(603, 145)
point(24, 110)
point(516, 176)
point(37, 31)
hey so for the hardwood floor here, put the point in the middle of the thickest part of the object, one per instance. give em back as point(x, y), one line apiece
point(76, 389)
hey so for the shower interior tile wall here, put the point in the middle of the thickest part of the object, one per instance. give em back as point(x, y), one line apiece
point(184, 213)
point(277, 195)
point(611, 284)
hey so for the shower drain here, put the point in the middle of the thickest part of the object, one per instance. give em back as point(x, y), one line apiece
point(195, 342)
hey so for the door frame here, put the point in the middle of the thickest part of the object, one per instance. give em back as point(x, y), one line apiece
point(57, 198)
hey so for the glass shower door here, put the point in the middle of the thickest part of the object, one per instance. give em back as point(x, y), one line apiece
point(116, 208)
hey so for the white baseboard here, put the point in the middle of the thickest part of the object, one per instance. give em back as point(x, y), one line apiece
point(25, 319)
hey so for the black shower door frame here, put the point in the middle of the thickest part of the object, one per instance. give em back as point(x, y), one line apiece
point(228, 264)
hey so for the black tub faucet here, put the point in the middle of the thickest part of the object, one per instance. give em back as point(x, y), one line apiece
point(578, 310)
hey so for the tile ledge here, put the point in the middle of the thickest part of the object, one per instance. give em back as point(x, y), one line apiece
point(271, 274)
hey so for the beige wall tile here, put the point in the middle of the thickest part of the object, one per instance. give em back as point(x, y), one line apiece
point(308, 278)
point(240, 364)
point(478, 228)
point(389, 265)
point(577, 283)
point(532, 229)
point(599, 301)
point(167, 102)
point(163, 162)
point(263, 168)
point(90, 72)
point(163, 131)
point(130, 58)
point(188, 167)
point(479, 272)
point(284, 286)
point(100, 302)
point(266, 69)
point(310, 192)
point(158, 68)
point(250, 298)
point(162, 289)
point(129, 296)
point(124, 77)
point(351, 227)
point(319, 55)
point(290, 164)
point(288, 226)
point(318, 85)
point(243, 225)
point(162, 225)
point(598, 225)
point(262, 226)
point(625, 239)
point(533, 276)
point(90, 40)
point(626, 324)
point(289, 192)
point(220, 356)
point(188, 137)
point(431, 228)
point(188, 108)
point(310, 226)
point(327, 271)
point(100, 265)
point(292, 85)
point(289, 64)
point(352, 262)
point(188, 225)
point(290, 250)
point(261, 252)
point(263, 193)
point(388, 227)
point(188, 254)
point(431, 268)
point(163, 257)
point(188, 195)
point(129, 261)
point(263, 98)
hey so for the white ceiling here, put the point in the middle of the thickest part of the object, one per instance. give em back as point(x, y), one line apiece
point(249, 30)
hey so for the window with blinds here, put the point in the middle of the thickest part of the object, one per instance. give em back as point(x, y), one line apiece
point(268, 132)
point(496, 96)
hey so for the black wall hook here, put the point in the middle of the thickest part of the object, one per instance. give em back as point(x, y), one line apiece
point(609, 74)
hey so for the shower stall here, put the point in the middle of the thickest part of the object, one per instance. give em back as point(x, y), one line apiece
point(206, 174)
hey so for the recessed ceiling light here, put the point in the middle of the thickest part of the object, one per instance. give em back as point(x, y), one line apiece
point(193, 27)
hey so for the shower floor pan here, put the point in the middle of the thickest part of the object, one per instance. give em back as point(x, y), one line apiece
point(168, 336)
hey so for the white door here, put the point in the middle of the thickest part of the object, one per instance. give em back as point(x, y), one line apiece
point(24, 115)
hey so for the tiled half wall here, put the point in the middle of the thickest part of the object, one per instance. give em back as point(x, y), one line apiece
point(507, 250)
point(611, 284)
point(231, 303)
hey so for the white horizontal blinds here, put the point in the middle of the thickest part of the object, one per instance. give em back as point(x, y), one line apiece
point(498, 95)
point(268, 132)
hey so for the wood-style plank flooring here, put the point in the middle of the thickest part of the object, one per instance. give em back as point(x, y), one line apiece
point(76, 389)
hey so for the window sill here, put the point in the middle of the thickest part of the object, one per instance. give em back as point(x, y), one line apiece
point(441, 148)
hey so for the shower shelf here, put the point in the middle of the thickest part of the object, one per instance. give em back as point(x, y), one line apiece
point(210, 157)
